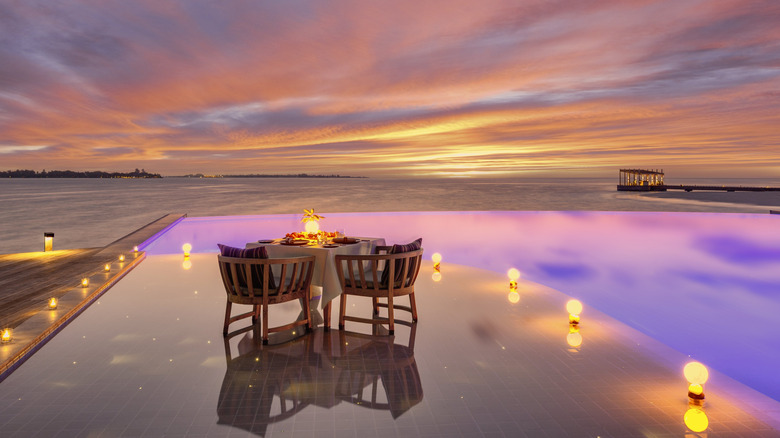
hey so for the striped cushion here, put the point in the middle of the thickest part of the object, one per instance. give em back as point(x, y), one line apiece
point(257, 270)
point(243, 253)
point(398, 249)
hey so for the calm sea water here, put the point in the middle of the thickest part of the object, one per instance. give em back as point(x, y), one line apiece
point(94, 212)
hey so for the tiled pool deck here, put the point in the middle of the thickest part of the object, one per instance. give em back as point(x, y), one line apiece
point(148, 359)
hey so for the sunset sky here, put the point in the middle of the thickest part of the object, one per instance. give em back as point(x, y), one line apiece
point(396, 88)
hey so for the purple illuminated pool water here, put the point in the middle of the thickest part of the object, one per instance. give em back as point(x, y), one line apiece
point(705, 284)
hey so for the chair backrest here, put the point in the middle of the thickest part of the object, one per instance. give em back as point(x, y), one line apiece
point(280, 279)
point(364, 272)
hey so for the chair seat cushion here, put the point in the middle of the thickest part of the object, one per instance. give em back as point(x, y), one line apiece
point(398, 249)
point(257, 270)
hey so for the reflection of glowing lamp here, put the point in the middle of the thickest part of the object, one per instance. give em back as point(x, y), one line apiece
point(48, 241)
point(436, 259)
point(121, 258)
point(7, 336)
point(85, 282)
point(513, 297)
point(52, 303)
point(696, 420)
point(574, 307)
point(186, 248)
point(107, 268)
point(187, 264)
point(513, 275)
point(697, 375)
point(574, 338)
point(312, 227)
point(436, 276)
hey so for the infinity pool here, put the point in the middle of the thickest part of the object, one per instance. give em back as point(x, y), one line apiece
point(149, 360)
point(706, 284)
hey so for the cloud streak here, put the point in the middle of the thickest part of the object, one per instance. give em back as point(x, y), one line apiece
point(444, 88)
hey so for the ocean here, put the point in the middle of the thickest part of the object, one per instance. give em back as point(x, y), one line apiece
point(86, 213)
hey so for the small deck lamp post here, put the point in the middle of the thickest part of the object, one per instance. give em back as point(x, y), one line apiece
point(48, 241)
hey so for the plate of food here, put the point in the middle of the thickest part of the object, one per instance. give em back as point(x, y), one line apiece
point(294, 242)
point(346, 240)
point(331, 245)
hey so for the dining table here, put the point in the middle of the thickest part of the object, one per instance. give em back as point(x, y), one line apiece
point(325, 279)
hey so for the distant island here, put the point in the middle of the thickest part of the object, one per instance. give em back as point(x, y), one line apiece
point(72, 174)
point(260, 175)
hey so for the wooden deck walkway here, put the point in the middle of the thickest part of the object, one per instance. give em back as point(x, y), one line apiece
point(28, 280)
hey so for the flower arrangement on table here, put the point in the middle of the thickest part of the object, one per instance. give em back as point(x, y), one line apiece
point(313, 231)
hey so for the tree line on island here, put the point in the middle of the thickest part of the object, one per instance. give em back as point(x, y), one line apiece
point(144, 174)
point(73, 174)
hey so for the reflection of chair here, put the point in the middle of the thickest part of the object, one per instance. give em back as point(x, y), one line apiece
point(397, 279)
point(365, 360)
point(258, 376)
point(240, 275)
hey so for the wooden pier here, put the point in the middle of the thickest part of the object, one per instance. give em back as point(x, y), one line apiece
point(29, 280)
point(641, 180)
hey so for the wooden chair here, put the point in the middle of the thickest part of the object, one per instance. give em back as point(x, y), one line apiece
point(361, 275)
point(247, 282)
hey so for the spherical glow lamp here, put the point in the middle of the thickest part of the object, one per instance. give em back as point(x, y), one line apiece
point(312, 227)
point(513, 275)
point(697, 375)
point(186, 248)
point(436, 259)
point(696, 420)
point(574, 307)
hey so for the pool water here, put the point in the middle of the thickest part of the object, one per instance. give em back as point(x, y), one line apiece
point(149, 359)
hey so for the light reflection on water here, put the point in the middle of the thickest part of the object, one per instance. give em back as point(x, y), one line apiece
point(705, 284)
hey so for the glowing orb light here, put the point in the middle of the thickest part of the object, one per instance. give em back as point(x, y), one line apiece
point(574, 307)
point(186, 248)
point(696, 373)
point(312, 227)
point(696, 420)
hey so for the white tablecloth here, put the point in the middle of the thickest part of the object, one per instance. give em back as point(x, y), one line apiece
point(326, 279)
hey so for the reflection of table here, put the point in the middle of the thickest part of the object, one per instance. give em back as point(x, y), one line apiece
point(325, 275)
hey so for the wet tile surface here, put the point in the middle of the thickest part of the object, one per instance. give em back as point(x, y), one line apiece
point(149, 360)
